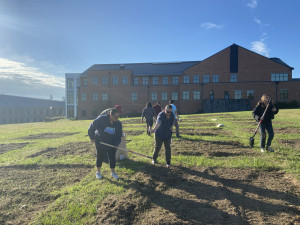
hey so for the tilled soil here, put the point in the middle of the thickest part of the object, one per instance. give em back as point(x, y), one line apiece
point(156, 194)
point(12, 146)
point(180, 195)
point(25, 190)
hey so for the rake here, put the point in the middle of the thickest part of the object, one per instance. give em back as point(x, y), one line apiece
point(126, 150)
point(251, 140)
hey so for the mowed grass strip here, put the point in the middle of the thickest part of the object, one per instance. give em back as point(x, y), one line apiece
point(74, 195)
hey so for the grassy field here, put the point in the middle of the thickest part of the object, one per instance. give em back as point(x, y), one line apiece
point(48, 170)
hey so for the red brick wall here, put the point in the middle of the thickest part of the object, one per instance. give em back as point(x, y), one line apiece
point(254, 73)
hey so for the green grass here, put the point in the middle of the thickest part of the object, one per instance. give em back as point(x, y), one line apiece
point(77, 202)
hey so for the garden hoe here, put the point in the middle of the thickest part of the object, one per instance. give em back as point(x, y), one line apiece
point(126, 150)
point(251, 140)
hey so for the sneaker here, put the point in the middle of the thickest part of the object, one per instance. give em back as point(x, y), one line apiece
point(168, 165)
point(98, 175)
point(114, 175)
point(262, 150)
point(153, 162)
point(270, 149)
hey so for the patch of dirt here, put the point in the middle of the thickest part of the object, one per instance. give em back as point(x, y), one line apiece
point(203, 132)
point(191, 147)
point(286, 130)
point(25, 190)
point(47, 136)
point(78, 148)
point(291, 143)
point(11, 146)
point(134, 132)
point(179, 195)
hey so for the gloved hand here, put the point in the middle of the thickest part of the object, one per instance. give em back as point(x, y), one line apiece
point(257, 118)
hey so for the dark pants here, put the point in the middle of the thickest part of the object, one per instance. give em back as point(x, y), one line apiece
point(149, 123)
point(263, 127)
point(177, 127)
point(158, 144)
point(102, 151)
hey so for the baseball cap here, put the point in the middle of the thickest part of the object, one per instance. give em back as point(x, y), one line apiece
point(119, 108)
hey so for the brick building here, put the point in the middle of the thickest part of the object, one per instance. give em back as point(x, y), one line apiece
point(15, 109)
point(231, 80)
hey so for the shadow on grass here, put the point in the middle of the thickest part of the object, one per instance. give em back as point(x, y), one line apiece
point(205, 196)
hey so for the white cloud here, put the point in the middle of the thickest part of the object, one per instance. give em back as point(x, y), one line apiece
point(252, 4)
point(257, 21)
point(16, 78)
point(260, 47)
point(209, 25)
point(29, 75)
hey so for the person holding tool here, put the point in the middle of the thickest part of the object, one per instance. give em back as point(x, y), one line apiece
point(264, 113)
point(106, 129)
point(163, 134)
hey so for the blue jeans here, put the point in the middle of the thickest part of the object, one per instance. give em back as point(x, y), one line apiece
point(263, 127)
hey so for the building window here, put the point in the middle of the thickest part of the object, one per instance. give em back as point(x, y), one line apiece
point(279, 76)
point(284, 94)
point(196, 95)
point(206, 79)
point(165, 80)
point(95, 97)
point(154, 81)
point(70, 97)
point(226, 95)
point(94, 113)
point(186, 79)
point(164, 96)
point(238, 94)
point(85, 82)
point(104, 81)
point(104, 97)
point(83, 97)
point(125, 80)
point(133, 96)
point(95, 81)
point(175, 80)
point(145, 80)
point(185, 95)
point(174, 96)
point(211, 95)
point(70, 83)
point(154, 96)
point(196, 79)
point(233, 78)
point(83, 113)
point(115, 80)
point(215, 78)
point(135, 81)
point(250, 94)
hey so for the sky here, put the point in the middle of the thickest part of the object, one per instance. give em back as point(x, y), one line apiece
point(41, 41)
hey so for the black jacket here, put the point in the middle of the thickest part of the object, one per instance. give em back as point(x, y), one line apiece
point(258, 111)
point(103, 131)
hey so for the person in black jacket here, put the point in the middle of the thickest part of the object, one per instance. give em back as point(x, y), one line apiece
point(106, 129)
point(148, 112)
point(266, 123)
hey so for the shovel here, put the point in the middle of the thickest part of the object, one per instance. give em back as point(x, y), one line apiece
point(251, 140)
point(126, 150)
